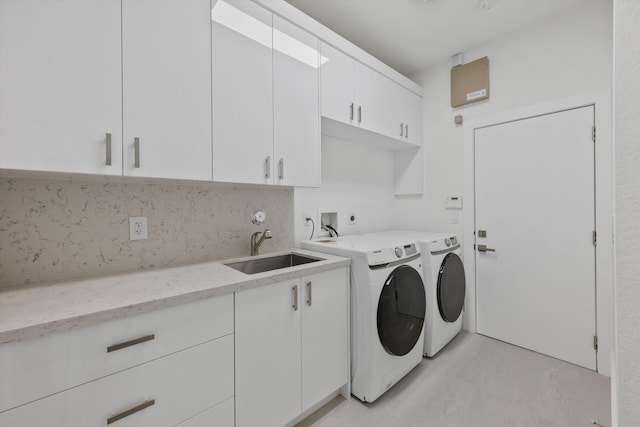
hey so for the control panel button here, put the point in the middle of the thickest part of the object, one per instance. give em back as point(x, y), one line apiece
point(398, 252)
point(447, 242)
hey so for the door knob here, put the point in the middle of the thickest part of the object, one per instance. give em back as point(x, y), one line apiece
point(484, 248)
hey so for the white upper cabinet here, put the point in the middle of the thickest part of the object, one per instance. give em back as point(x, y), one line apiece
point(242, 92)
point(60, 86)
point(166, 54)
point(356, 95)
point(296, 98)
point(336, 77)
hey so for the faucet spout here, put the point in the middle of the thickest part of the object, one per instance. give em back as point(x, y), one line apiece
point(256, 240)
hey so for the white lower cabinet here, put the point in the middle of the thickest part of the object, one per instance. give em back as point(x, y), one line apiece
point(160, 368)
point(159, 393)
point(291, 347)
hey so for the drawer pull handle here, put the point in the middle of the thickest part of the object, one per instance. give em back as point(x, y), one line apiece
point(126, 344)
point(131, 411)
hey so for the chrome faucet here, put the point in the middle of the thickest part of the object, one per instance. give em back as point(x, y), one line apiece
point(257, 241)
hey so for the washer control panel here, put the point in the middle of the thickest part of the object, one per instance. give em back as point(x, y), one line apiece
point(391, 254)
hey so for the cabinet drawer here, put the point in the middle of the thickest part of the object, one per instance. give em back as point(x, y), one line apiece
point(40, 367)
point(179, 385)
point(220, 415)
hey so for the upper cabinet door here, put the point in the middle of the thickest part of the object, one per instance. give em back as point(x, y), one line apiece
point(414, 118)
point(166, 50)
point(336, 82)
point(60, 80)
point(296, 92)
point(369, 98)
point(242, 92)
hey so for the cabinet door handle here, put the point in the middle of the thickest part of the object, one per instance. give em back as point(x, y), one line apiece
point(401, 129)
point(136, 149)
point(267, 167)
point(108, 138)
point(406, 131)
point(351, 112)
point(126, 344)
point(281, 168)
point(359, 114)
point(124, 414)
point(309, 285)
point(295, 297)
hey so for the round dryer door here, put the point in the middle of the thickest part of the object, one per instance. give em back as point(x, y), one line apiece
point(401, 310)
point(451, 288)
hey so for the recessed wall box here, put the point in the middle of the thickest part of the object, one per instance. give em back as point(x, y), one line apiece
point(470, 82)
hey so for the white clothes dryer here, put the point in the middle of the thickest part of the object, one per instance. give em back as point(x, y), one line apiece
point(388, 306)
point(444, 278)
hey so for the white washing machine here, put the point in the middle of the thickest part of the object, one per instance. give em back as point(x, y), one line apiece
point(388, 306)
point(444, 279)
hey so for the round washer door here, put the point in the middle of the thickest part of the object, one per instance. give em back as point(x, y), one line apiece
point(451, 288)
point(401, 310)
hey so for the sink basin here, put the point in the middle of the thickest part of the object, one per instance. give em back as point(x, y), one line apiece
point(260, 265)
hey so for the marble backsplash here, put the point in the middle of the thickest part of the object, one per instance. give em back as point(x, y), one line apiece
point(58, 229)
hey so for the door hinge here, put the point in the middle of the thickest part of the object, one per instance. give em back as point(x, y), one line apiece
point(594, 238)
point(593, 133)
point(595, 342)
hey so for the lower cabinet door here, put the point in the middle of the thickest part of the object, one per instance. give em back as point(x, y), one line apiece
point(163, 392)
point(220, 415)
point(268, 354)
point(325, 336)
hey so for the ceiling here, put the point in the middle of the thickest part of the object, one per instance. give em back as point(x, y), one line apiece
point(410, 35)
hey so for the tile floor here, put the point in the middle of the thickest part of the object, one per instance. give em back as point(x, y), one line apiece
point(479, 382)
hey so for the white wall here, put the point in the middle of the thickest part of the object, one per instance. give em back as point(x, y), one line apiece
point(564, 56)
point(356, 179)
point(627, 136)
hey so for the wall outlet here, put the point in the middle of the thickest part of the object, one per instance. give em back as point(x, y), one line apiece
point(352, 219)
point(138, 228)
point(304, 220)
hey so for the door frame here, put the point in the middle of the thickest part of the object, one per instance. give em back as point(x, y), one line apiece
point(604, 169)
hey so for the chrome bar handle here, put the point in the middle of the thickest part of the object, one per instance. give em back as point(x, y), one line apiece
point(351, 112)
point(359, 114)
point(295, 297)
point(401, 129)
point(267, 167)
point(406, 131)
point(124, 414)
point(108, 138)
point(126, 344)
point(309, 284)
point(484, 248)
point(136, 149)
point(281, 168)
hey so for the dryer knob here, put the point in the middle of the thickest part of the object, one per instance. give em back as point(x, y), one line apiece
point(398, 252)
point(447, 242)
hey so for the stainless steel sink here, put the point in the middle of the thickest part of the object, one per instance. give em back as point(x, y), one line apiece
point(260, 265)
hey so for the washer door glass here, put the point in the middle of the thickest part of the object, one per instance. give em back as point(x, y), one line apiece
point(451, 288)
point(401, 310)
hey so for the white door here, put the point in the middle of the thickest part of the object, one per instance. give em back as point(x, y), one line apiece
point(242, 70)
point(296, 103)
point(534, 190)
point(166, 50)
point(60, 86)
point(336, 83)
point(325, 339)
point(267, 334)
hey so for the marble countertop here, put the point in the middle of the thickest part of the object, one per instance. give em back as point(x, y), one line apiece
point(41, 310)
